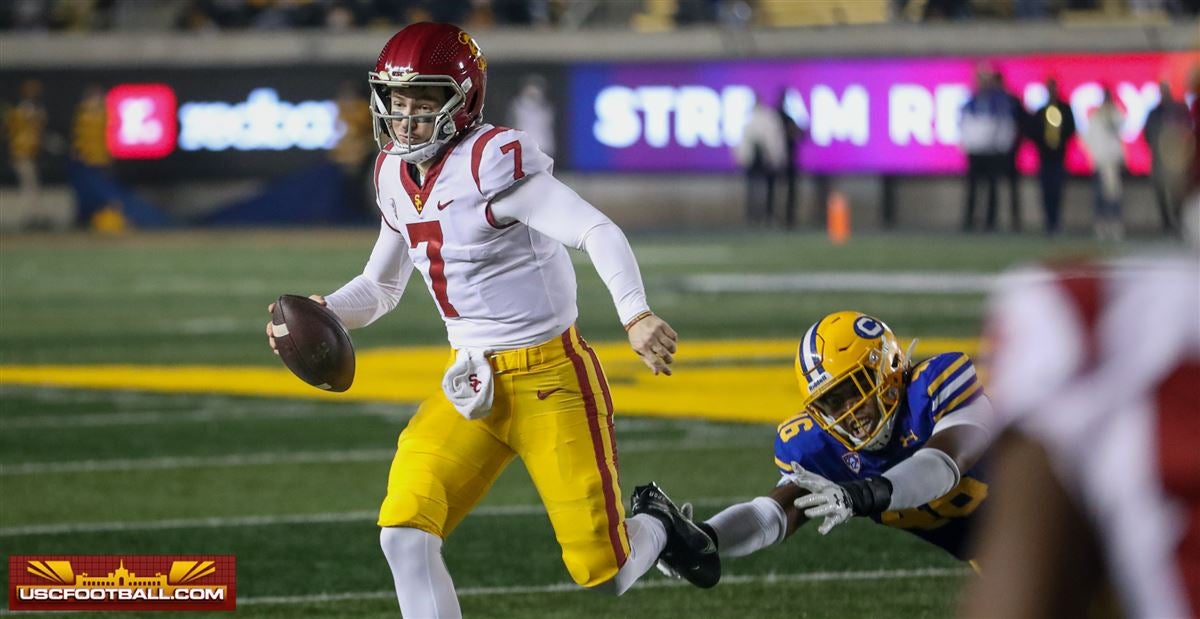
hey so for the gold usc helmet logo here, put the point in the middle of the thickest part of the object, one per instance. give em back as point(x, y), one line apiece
point(466, 39)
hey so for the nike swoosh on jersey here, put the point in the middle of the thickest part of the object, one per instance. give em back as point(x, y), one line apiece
point(542, 395)
point(443, 205)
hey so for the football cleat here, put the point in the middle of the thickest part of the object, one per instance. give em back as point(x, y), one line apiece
point(690, 552)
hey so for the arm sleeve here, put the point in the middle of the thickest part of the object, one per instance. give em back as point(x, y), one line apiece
point(978, 413)
point(378, 289)
point(925, 476)
point(545, 204)
point(747, 527)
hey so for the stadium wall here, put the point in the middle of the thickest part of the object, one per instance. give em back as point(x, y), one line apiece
point(664, 200)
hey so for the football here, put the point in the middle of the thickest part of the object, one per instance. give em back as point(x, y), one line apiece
point(312, 343)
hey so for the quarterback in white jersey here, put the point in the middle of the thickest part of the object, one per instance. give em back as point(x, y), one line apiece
point(475, 209)
point(1096, 371)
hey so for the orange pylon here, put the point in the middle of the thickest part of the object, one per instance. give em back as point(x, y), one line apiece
point(837, 218)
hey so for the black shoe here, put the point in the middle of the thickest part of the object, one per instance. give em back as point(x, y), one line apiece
point(689, 551)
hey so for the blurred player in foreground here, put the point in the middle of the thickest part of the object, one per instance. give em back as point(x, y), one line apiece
point(879, 437)
point(476, 210)
point(1096, 375)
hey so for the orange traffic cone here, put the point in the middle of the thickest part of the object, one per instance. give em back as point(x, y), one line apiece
point(837, 218)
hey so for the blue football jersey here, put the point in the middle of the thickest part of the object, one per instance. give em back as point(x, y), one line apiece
point(936, 387)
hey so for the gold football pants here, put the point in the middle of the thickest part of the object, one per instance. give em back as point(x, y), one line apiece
point(552, 408)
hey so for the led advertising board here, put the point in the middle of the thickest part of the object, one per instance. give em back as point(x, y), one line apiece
point(861, 115)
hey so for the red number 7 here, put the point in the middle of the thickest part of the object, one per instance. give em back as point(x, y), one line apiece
point(514, 147)
point(430, 233)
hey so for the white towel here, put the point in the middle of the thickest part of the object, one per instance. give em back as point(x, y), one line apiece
point(468, 383)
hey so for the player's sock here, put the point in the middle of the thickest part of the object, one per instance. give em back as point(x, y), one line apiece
point(423, 585)
point(647, 538)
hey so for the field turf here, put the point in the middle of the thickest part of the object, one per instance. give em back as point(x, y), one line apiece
point(290, 486)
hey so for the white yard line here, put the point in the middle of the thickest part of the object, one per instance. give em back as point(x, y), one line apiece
point(727, 581)
point(310, 457)
point(929, 282)
point(101, 420)
point(258, 521)
point(144, 464)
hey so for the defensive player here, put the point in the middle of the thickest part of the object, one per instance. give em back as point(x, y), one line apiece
point(879, 438)
point(1096, 376)
point(475, 209)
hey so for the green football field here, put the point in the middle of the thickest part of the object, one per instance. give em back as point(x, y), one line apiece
point(291, 486)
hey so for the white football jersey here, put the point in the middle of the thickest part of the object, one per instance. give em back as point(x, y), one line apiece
point(1100, 364)
point(497, 285)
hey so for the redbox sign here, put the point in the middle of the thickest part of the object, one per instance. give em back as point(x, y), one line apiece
point(141, 121)
point(122, 582)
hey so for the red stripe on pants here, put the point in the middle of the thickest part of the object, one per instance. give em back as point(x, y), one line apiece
point(593, 417)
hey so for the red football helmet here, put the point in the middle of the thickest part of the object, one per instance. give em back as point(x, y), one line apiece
point(428, 54)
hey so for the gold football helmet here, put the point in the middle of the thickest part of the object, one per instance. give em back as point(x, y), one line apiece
point(851, 371)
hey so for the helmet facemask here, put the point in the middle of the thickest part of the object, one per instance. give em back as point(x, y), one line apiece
point(859, 407)
point(384, 120)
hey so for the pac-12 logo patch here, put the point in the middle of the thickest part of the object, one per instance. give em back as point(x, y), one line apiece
point(853, 461)
point(868, 327)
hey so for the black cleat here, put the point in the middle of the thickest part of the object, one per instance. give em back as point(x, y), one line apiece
point(689, 551)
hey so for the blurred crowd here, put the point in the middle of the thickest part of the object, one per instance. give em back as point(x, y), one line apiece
point(215, 15)
point(650, 15)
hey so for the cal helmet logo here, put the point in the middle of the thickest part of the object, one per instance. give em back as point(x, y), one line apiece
point(868, 327)
point(853, 461)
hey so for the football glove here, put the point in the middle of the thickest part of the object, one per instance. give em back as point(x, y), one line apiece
point(836, 503)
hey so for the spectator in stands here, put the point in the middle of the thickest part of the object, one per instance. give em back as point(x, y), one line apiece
point(1195, 114)
point(1020, 119)
point(89, 143)
point(26, 126)
point(353, 151)
point(762, 154)
point(532, 112)
point(1167, 133)
point(793, 135)
point(90, 160)
point(1103, 140)
point(988, 130)
point(1051, 129)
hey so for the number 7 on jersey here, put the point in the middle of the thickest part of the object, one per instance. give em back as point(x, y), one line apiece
point(430, 233)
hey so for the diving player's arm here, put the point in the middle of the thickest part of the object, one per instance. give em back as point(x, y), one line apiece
point(957, 443)
point(545, 204)
point(745, 528)
point(377, 291)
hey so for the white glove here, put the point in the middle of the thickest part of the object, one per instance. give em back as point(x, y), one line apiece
point(668, 571)
point(827, 499)
point(468, 383)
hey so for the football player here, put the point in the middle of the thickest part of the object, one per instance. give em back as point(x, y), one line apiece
point(476, 210)
point(879, 438)
point(1096, 375)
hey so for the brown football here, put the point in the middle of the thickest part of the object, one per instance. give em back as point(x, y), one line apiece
point(312, 343)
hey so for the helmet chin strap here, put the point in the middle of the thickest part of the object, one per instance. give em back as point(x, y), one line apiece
point(431, 149)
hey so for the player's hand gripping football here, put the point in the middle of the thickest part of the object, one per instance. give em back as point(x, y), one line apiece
point(271, 308)
point(827, 499)
point(654, 341)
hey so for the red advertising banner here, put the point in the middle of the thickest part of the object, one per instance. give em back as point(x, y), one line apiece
point(122, 582)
